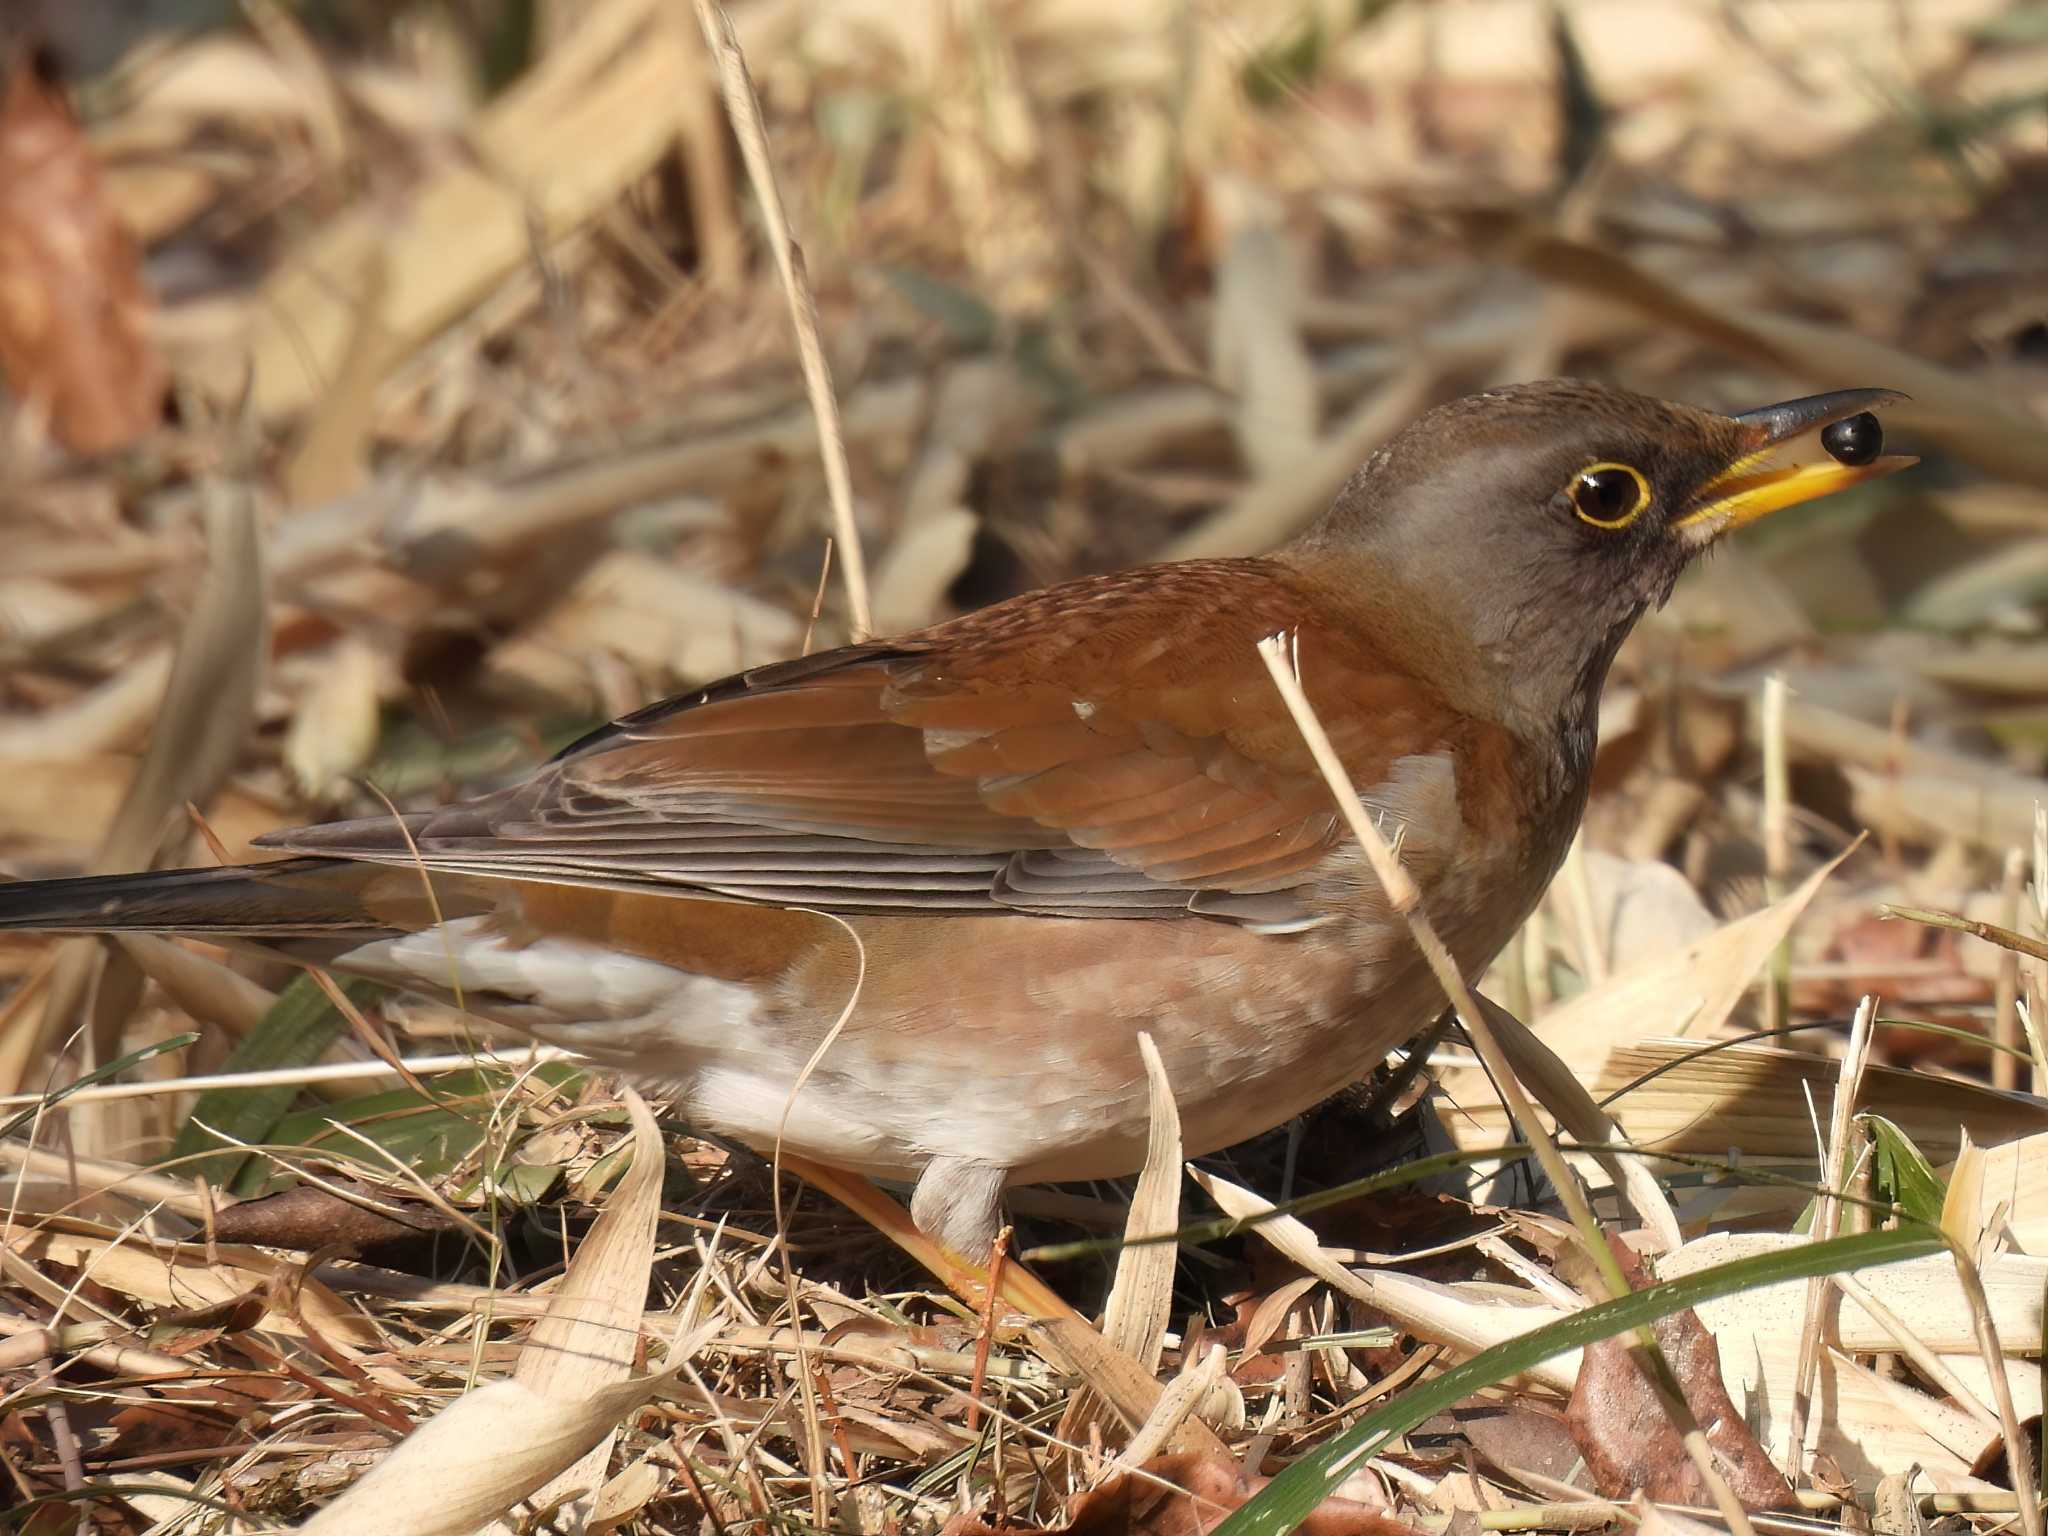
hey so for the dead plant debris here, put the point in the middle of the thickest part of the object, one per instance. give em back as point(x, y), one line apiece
point(480, 354)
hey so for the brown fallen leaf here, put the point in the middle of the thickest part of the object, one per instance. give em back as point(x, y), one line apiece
point(74, 312)
point(185, 1330)
point(1205, 1488)
point(1629, 1443)
point(1914, 968)
point(1513, 1436)
point(177, 1422)
point(377, 1225)
point(1263, 1311)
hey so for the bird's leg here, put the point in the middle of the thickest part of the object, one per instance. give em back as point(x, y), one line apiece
point(959, 1202)
point(1295, 1129)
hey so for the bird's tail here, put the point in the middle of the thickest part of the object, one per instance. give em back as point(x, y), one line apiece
point(290, 898)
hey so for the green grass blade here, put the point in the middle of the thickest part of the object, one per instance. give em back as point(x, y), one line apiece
point(431, 1136)
point(1902, 1173)
point(103, 1074)
point(297, 1031)
point(1284, 1503)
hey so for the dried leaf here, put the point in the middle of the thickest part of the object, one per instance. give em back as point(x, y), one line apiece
point(1896, 1508)
point(1991, 809)
point(1266, 1318)
point(185, 1276)
point(2005, 581)
point(206, 989)
point(371, 1226)
point(1854, 1420)
point(1141, 1300)
point(2013, 1174)
point(1924, 1292)
point(626, 1495)
point(1444, 1314)
point(1949, 1427)
point(546, 1433)
point(1751, 1100)
point(589, 1340)
point(1203, 1389)
point(912, 578)
point(1629, 1441)
point(209, 701)
point(1199, 1491)
point(483, 1453)
point(1962, 1205)
point(103, 719)
point(1643, 907)
point(1692, 989)
point(334, 730)
point(667, 620)
point(1994, 667)
point(74, 313)
point(331, 458)
point(579, 128)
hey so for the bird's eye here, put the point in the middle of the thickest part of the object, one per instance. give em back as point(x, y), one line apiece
point(1609, 495)
point(1854, 439)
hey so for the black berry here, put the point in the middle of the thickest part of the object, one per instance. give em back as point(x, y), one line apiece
point(1854, 439)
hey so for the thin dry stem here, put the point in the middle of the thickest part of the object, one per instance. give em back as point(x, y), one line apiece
point(1826, 1218)
point(744, 108)
point(2037, 973)
point(2005, 1066)
point(998, 1260)
point(1777, 837)
point(806, 1378)
point(28, 1340)
point(1965, 1230)
point(2004, 938)
point(2018, 1452)
point(316, 1072)
point(1277, 653)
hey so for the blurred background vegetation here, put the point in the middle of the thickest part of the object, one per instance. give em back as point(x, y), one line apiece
point(393, 388)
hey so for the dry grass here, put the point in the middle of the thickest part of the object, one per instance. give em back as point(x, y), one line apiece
point(508, 384)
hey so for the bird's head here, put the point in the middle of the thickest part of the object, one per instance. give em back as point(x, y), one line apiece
point(1541, 520)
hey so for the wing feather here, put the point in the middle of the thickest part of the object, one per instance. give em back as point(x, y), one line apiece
point(1049, 755)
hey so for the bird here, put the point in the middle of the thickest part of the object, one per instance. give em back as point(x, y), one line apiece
point(905, 907)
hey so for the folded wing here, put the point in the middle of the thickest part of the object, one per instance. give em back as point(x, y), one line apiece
point(1110, 748)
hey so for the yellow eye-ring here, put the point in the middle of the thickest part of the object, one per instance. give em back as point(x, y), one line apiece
point(1609, 495)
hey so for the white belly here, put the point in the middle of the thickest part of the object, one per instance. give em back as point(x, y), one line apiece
point(1066, 1100)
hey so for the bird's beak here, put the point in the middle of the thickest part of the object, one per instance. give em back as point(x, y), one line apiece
point(1782, 461)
